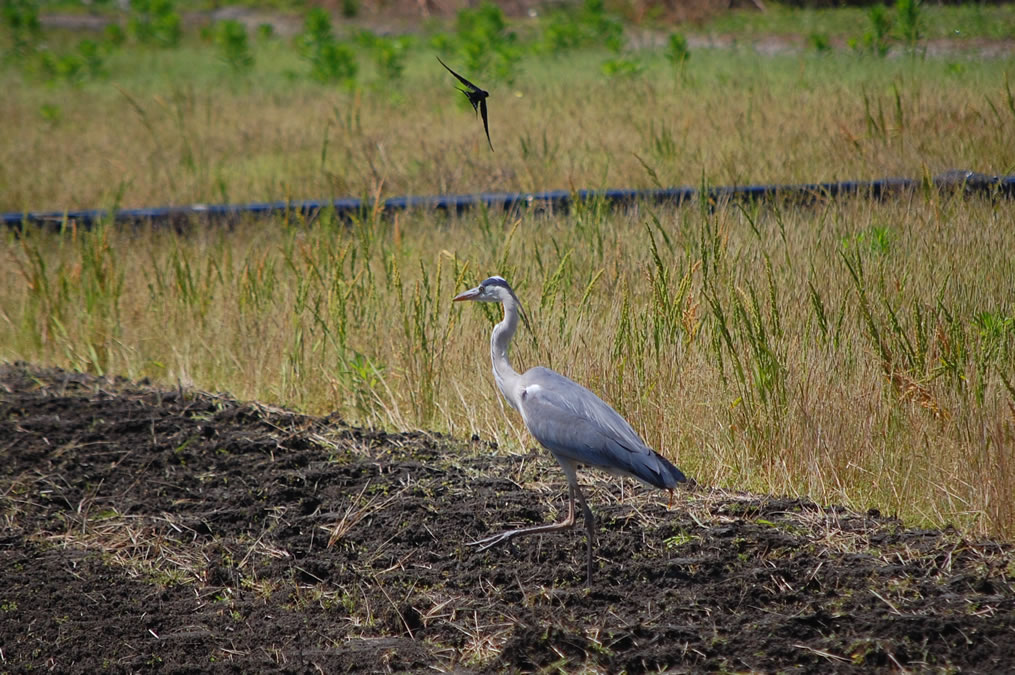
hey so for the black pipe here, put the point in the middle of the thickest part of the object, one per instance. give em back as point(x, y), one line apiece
point(346, 208)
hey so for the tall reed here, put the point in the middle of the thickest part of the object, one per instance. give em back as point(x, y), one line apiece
point(855, 352)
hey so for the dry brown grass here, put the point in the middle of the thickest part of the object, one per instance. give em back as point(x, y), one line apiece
point(358, 320)
point(186, 134)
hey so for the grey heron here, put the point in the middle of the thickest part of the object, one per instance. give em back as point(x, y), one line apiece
point(575, 425)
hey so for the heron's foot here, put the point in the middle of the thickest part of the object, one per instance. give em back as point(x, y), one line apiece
point(486, 543)
point(489, 542)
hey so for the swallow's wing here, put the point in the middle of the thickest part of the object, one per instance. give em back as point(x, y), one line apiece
point(461, 79)
point(486, 123)
point(473, 99)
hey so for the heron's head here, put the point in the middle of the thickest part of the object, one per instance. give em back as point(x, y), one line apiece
point(494, 289)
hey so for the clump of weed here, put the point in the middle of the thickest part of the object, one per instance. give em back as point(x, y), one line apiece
point(51, 113)
point(819, 42)
point(907, 18)
point(622, 66)
point(350, 9)
point(908, 13)
point(233, 46)
point(80, 61)
point(876, 39)
point(114, 35)
point(155, 22)
point(677, 51)
point(330, 60)
point(21, 23)
point(85, 61)
point(485, 43)
point(588, 26)
point(389, 53)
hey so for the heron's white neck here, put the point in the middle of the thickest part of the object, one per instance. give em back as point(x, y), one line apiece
point(500, 340)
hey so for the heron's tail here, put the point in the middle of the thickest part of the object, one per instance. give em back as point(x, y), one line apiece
point(659, 472)
point(667, 474)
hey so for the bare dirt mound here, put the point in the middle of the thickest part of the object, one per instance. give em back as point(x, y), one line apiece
point(145, 528)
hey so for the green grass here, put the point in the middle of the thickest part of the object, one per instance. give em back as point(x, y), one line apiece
point(111, 7)
point(858, 352)
point(965, 21)
point(177, 126)
point(960, 22)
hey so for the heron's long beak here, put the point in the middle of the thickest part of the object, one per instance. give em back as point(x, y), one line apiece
point(470, 294)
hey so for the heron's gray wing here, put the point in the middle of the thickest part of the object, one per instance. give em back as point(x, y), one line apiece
point(574, 423)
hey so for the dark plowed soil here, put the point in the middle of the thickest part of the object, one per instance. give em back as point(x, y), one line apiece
point(144, 528)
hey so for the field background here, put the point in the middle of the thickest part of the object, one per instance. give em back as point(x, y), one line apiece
point(858, 353)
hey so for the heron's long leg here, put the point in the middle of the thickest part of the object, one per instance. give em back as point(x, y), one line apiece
point(590, 528)
point(565, 524)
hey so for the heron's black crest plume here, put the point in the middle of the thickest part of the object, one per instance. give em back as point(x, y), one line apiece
point(497, 281)
point(477, 97)
point(502, 283)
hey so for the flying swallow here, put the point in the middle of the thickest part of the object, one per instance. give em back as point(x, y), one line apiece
point(477, 97)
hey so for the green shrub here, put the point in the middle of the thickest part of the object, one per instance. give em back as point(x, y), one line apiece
point(622, 67)
point(819, 42)
point(52, 66)
point(87, 60)
point(114, 35)
point(908, 16)
point(604, 28)
point(93, 58)
point(677, 52)
point(316, 28)
point(154, 22)
point(875, 40)
point(485, 43)
point(335, 63)
point(21, 22)
point(589, 26)
point(350, 8)
point(389, 53)
point(485, 23)
point(234, 50)
point(443, 43)
point(329, 60)
point(51, 113)
point(562, 32)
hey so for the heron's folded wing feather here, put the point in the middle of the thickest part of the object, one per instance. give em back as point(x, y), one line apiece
point(573, 422)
